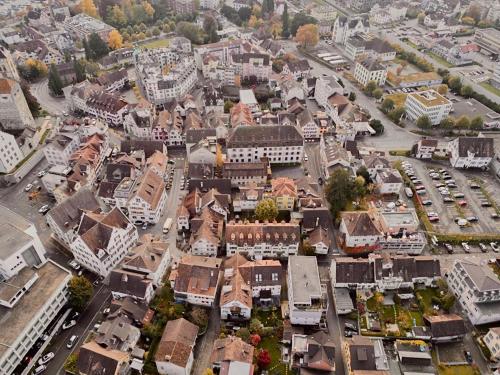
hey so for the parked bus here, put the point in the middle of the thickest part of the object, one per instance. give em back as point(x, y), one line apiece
point(167, 225)
point(409, 192)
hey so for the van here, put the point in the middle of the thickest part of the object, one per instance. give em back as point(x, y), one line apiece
point(167, 225)
point(409, 192)
point(72, 341)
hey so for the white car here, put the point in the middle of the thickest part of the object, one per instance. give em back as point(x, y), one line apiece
point(74, 265)
point(46, 358)
point(41, 173)
point(306, 158)
point(466, 247)
point(44, 209)
point(28, 187)
point(69, 324)
point(494, 246)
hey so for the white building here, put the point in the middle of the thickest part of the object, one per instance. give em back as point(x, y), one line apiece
point(389, 181)
point(344, 28)
point(8, 68)
point(10, 153)
point(308, 126)
point(14, 111)
point(370, 70)
point(60, 148)
point(263, 240)
point(427, 103)
point(103, 240)
point(33, 289)
point(492, 342)
point(477, 288)
point(81, 26)
point(307, 299)
point(148, 199)
point(281, 144)
point(358, 230)
point(425, 148)
point(471, 152)
point(325, 88)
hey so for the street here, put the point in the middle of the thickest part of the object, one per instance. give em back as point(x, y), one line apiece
point(55, 106)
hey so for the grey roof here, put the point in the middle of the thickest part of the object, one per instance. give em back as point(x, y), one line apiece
point(12, 232)
point(479, 146)
point(196, 135)
point(380, 46)
point(314, 217)
point(362, 353)
point(371, 64)
point(304, 274)
point(353, 271)
point(149, 147)
point(446, 325)
point(262, 136)
point(299, 65)
point(481, 275)
point(130, 283)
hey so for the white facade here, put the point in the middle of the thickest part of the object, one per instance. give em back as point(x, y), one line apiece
point(492, 342)
point(141, 211)
point(61, 147)
point(279, 154)
point(14, 110)
point(226, 310)
point(326, 87)
point(427, 103)
point(169, 368)
point(365, 74)
point(344, 28)
point(468, 159)
point(10, 153)
point(204, 247)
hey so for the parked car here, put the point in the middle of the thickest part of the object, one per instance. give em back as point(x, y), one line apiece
point(458, 195)
point(39, 369)
point(440, 185)
point(422, 192)
point(434, 218)
point(28, 187)
point(494, 246)
point(485, 204)
point(448, 200)
point(72, 341)
point(483, 247)
point(462, 203)
point(46, 358)
point(68, 325)
point(449, 248)
point(466, 247)
point(472, 219)
point(495, 216)
point(44, 209)
point(41, 173)
point(427, 202)
point(468, 356)
point(474, 186)
point(452, 186)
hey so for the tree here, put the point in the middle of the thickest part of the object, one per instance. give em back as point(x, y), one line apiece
point(447, 124)
point(97, 47)
point(266, 209)
point(210, 27)
point(91, 68)
point(256, 326)
point(462, 123)
point(150, 11)
point(424, 122)
point(339, 190)
point(396, 114)
point(352, 96)
point(208, 371)
point(299, 20)
point(263, 359)
point(466, 91)
point(33, 70)
point(255, 339)
point(199, 316)
point(359, 186)
point(227, 106)
point(370, 87)
point(257, 10)
point(88, 53)
point(33, 104)
point(80, 290)
point(115, 39)
point(243, 334)
point(117, 17)
point(363, 172)
point(387, 105)
point(191, 31)
point(476, 123)
point(307, 248)
point(231, 14)
point(70, 365)
point(442, 89)
point(254, 22)
point(377, 126)
point(455, 84)
point(55, 83)
point(307, 35)
point(244, 13)
point(377, 93)
point(474, 12)
point(285, 21)
point(276, 29)
point(88, 7)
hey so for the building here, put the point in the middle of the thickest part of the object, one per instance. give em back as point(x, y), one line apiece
point(370, 70)
point(492, 342)
point(415, 357)
point(362, 355)
point(284, 193)
point(358, 231)
point(315, 352)
point(495, 79)
point(299, 69)
point(182, 6)
point(488, 40)
point(389, 181)
point(390, 13)
point(280, 144)
point(114, 81)
point(262, 240)
point(10, 153)
point(148, 199)
point(14, 111)
point(361, 45)
point(254, 66)
point(324, 88)
point(33, 290)
point(102, 240)
point(307, 299)
point(8, 68)
point(344, 28)
point(427, 103)
point(471, 152)
point(111, 361)
point(174, 355)
point(196, 280)
point(446, 327)
point(81, 26)
point(242, 174)
point(232, 355)
point(477, 288)
point(61, 147)
point(425, 148)
point(320, 240)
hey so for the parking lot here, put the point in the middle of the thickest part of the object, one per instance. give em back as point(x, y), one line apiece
point(454, 202)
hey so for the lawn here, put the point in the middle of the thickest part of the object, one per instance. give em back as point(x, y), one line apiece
point(439, 59)
point(398, 99)
point(159, 43)
point(268, 318)
point(272, 345)
point(424, 296)
point(490, 88)
point(457, 370)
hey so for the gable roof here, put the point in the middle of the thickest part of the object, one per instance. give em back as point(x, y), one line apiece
point(480, 146)
point(68, 213)
point(96, 360)
point(446, 325)
point(359, 224)
point(270, 135)
point(177, 342)
point(353, 271)
point(481, 275)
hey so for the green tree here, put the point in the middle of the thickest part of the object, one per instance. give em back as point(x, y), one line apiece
point(55, 82)
point(117, 17)
point(33, 104)
point(387, 105)
point(256, 326)
point(476, 123)
point(199, 316)
point(97, 47)
point(447, 124)
point(299, 20)
point(266, 209)
point(285, 20)
point(466, 91)
point(455, 84)
point(339, 190)
point(227, 106)
point(370, 87)
point(245, 13)
point(308, 249)
point(363, 172)
point(396, 114)
point(80, 290)
point(352, 96)
point(70, 365)
point(462, 123)
point(377, 93)
point(424, 122)
point(210, 27)
point(243, 334)
point(191, 31)
point(377, 126)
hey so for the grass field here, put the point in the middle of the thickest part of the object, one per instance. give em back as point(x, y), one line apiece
point(156, 43)
point(490, 88)
point(273, 346)
point(439, 59)
point(457, 370)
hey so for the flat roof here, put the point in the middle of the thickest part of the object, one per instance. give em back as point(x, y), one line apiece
point(247, 97)
point(471, 107)
point(429, 98)
point(398, 218)
point(305, 278)
point(12, 232)
point(13, 321)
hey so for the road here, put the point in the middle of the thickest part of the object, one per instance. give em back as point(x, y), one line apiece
point(55, 106)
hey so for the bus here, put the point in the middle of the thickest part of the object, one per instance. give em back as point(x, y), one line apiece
point(408, 192)
point(321, 55)
point(167, 225)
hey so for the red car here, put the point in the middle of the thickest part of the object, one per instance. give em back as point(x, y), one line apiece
point(462, 203)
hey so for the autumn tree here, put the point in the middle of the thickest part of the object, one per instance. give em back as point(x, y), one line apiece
point(424, 122)
point(462, 123)
point(454, 83)
point(377, 93)
point(276, 29)
point(115, 39)
point(301, 19)
point(466, 91)
point(33, 70)
point(396, 114)
point(257, 10)
point(307, 36)
point(148, 8)
point(117, 17)
point(442, 89)
point(307, 248)
point(476, 123)
point(88, 7)
point(370, 88)
point(80, 290)
point(447, 124)
point(254, 22)
point(33, 104)
point(266, 209)
point(263, 359)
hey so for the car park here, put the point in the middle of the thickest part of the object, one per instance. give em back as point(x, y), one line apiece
point(46, 358)
point(72, 341)
point(466, 247)
point(68, 325)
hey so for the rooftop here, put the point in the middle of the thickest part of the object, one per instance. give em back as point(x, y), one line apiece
point(12, 232)
point(304, 274)
point(429, 98)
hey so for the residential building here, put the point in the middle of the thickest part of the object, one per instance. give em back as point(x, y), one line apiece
point(477, 288)
point(370, 70)
point(103, 240)
point(415, 79)
point(333, 156)
point(389, 181)
point(242, 174)
point(425, 148)
point(307, 124)
point(315, 352)
point(33, 289)
point(307, 299)
point(262, 240)
point(471, 152)
point(446, 327)
point(488, 40)
point(280, 144)
point(427, 103)
point(415, 357)
point(182, 6)
point(114, 81)
point(10, 153)
point(361, 45)
point(254, 66)
point(284, 193)
point(393, 12)
point(344, 28)
point(299, 69)
point(358, 232)
point(291, 89)
point(375, 163)
point(81, 26)
point(320, 240)
point(248, 197)
point(117, 332)
point(92, 356)
point(232, 355)
point(241, 114)
point(492, 342)
point(324, 13)
point(324, 88)
point(140, 120)
point(148, 199)
point(363, 355)
point(196, 280)
point(236, 295)
point(455, 54)
point(174, 355)
point(272, 47)
point(8, 68)
point(61, 147)
point(15, 113)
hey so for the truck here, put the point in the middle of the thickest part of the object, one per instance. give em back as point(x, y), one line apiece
point(167, 225)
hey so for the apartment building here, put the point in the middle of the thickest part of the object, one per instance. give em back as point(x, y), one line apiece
point(488, 40)
point(471, 152)
point(370, 70)
point(103, 240)
point(492, 342)
point(324, 88)
point(254, 66)
point(16, 114)
point(425, 148)
point(33, 289)
point(196, 280)
point(81, 26)
point(232, 353)
point(242, 174)
point(344, 28)
point(284, 193)
point(427, 103)
point(262, 240)
point(307, 298)
point(60, 148)
point(10, 153)
point(477, 288)
point(148, 199)
point(280, 144)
